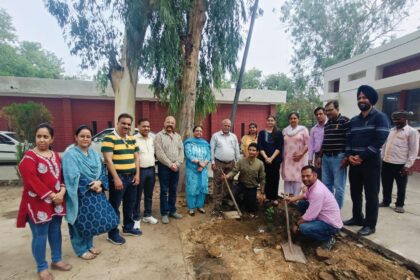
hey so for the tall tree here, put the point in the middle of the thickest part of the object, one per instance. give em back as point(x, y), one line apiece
point(7, 30)
point(325, 32)
point(189, 51)
point(25, 59)
point(108, 35)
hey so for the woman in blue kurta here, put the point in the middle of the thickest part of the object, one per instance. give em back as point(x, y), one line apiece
point(83, 172)
point(197, 153)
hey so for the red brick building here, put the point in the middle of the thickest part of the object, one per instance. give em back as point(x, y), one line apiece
point(73, 103)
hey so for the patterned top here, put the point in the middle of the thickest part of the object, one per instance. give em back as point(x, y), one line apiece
point(122, 150)
point(335, 132)
point(169, 148)
point(41, 176)
point(367, 134)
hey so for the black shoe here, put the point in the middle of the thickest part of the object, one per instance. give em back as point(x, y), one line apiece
point(382, 204)
point(366, 230)
point(353, 222)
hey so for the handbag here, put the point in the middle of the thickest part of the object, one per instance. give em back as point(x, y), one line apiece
point(96, 215)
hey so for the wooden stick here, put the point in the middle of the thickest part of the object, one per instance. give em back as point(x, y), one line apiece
point(231, 194)
point(289, 238)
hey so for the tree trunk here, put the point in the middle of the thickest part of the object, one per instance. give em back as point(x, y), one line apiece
point(191, 48)
point(124, 82)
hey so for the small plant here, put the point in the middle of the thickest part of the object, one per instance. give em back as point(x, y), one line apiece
point(269, 214)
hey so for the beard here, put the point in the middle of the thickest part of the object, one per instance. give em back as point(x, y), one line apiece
point(364, 106)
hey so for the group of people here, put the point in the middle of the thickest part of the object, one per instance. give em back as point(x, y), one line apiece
point(74, 186)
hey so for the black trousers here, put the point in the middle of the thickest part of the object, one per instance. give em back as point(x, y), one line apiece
point(366, 177)
point(246, 197)
point(389, 173)
point(272, 177)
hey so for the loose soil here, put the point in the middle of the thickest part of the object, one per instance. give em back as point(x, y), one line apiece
point(248, 249)
point(199, 247)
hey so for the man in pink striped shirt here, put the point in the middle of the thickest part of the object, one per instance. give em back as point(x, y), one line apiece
point(321, 218)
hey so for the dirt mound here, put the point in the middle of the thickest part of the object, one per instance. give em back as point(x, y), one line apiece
point(249, 249)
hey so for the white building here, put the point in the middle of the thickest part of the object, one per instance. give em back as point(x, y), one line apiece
point(392, 69)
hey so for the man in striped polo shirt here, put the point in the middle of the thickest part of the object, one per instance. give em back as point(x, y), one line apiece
point(368, 132)
point(122, 160)
point(334, 161)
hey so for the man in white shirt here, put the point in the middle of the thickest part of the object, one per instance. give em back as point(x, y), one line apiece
point(224, 154)
point(144, 141)
point(398, 155)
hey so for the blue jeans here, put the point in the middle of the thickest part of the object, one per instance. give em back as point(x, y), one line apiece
point(334, 177)
point(127, 197)
point(168, 180)
point(147, 184)
point(80, 244)
point(316, 229)
point(40, 233)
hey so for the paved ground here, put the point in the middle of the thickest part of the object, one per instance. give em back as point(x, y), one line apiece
point(396, 232)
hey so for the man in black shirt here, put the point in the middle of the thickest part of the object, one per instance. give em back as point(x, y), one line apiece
point(334, 162)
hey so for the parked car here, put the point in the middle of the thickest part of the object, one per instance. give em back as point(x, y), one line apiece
point(8, 143)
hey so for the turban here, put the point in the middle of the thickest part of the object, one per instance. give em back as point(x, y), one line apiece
point(369, 92)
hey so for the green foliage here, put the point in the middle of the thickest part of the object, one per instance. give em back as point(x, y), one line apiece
point(7, 30)
point(164, 50)
point(269, 214)
point(25, 117)
point(252, 79)
point(25, 59)
point(325, 32)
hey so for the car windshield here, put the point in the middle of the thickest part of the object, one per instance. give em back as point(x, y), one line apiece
point(12, 135)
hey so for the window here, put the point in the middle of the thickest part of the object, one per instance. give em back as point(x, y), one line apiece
point(391, 104)
point(400, 67)
point(334, 86)
point(94, 127)
point(110, 124)
point(413, 105)
point(242, 129)
point(356, 76)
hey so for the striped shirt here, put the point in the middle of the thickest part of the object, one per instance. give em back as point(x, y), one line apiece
point(169, 148)
point(367, 134)
point(122, 150)
point(335, 132)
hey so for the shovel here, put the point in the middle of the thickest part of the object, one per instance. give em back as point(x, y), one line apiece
point(231, 214)
point(292, 252)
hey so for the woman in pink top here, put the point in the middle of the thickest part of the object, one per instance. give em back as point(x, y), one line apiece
point(296, 139)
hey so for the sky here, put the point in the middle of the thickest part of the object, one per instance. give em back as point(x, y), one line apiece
point(270, 51)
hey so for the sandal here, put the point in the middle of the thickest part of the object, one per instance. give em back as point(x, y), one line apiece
point(95, 251)
point(61, 266)
point(202, 210)
point(45, 275)
point(191, 212)
point(87, 256)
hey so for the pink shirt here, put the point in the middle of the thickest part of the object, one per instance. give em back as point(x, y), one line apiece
point(322, 205)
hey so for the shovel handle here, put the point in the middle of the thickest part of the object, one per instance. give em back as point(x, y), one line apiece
point(231, 194)
point(289, 238)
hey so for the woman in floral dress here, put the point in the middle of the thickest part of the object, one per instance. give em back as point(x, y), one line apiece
point(42, 204)
point(296, 139)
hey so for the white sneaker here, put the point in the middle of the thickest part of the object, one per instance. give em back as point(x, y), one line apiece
point(136, 225)
point(150, 220)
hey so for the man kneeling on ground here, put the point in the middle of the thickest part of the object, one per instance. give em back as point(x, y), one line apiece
point(321, 218)
point(251, 175)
